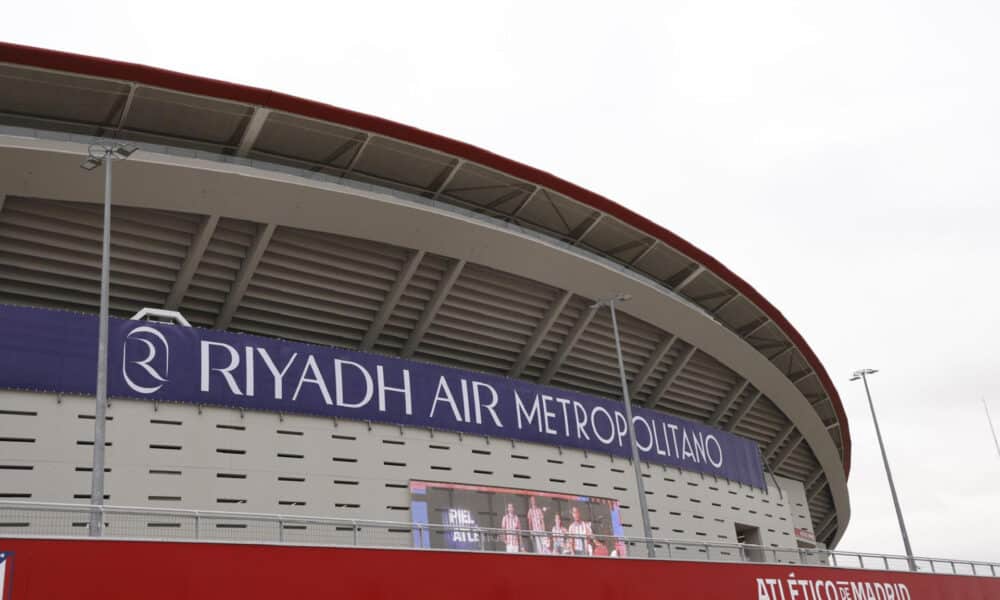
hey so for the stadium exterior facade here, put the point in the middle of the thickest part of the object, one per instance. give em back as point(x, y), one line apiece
point(254, 212)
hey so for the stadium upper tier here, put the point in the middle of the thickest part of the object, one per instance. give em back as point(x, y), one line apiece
point(255, 211)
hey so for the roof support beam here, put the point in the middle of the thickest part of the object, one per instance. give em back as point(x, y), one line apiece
point(744, 410)
point(252, 130)
point(690, 277)
point(473, 188)
point(655, 357)
point(636, 243)
point(652, 245)
point(567, 346)
point(726, 404)
point(447, 178)
point(800, 376)
point(781, 353)
point(735, 295)
point(254, 253)
point(584, 229)
point(542, 330)
point(669, 377)
point(813, 478)
point(433, 305)
point(828, 536)
point(753, 327)
point(784, 454)
point(491, 206)
point(357, 155)
point(778, 440)
point(195, 251)
point(817, 399)
point(762, 344)
point(126, 108)
point(343, 148)
point(525, 203)
point(824, 525)
point(826, 522)
point(713, 296)
point(392, 298)
point(812, 495)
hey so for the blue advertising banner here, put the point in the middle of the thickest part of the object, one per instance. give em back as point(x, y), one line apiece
point(49, 350)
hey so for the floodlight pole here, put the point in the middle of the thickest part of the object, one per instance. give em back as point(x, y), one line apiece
point(102, 154)
point(640, 487)
point(992, 430)
point(863, 375)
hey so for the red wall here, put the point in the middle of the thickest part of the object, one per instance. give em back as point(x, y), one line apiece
point(82, 569)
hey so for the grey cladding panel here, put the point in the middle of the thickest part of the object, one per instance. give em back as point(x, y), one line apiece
point(307, 140)
point(42, 95)
point(177, 456)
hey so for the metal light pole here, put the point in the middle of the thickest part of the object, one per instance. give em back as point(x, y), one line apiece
point(863, 376)
point(640, 487)
point(992, 430)
point(97, 154)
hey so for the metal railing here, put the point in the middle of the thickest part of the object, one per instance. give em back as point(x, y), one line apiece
point(38, 519)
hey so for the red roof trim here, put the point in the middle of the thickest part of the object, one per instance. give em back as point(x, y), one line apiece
point(100, 67)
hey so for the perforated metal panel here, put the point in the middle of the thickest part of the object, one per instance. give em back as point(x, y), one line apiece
point(207, 458)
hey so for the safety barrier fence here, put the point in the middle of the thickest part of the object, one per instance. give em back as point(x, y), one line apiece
point(55, 520)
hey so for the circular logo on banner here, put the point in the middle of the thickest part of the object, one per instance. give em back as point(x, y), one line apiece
point(145, 360)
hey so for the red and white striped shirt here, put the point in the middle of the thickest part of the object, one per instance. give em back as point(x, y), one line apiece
point(579, 531)
point(536, 519)
point(558, 538)
point(511, 523)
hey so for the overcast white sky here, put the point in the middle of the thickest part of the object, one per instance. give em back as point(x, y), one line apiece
point(840, 156)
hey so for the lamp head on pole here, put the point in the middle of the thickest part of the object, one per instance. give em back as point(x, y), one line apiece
point(124, 150)
point(91, 163)
point(612, 299)
point(861, 373)
point(98, 152)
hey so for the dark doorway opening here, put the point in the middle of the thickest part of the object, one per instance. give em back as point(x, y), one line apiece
point(749, 536)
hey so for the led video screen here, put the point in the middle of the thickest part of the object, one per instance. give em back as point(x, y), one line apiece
point(474, 517)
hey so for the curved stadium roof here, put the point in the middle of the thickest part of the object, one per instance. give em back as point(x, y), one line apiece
point(155, 106)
